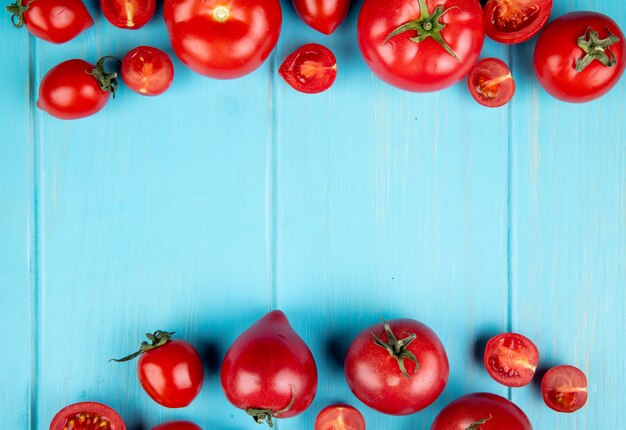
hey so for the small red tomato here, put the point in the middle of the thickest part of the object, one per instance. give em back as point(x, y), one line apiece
point(177, 425)
point(56, 21)
point(511, 359)
point(515, 21)
point(170, 371)
point(76, 89)
point(490, 83)
point(311, 69)
point(147, 71)
point(128, 14)
point(397, 367)
point(339, 417)
point(564, 388)
point(269, 371)
point(87, 416)
point(322, 15)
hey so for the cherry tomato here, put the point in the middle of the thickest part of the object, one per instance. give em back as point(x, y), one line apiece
point(322, 15)
point(481, 411)
point(511, 359)
point(269, 371)
point(147, 71)
point(87, 416)
point(515, 21)
point(76, 89)
point(56, 21)
point(223, 40)
point(420, 45)
point(128, 14)
point(397, 367)
point(170, 371)
point(490, 83)
point(564, 388)
point(312, 68)
point(177, 425)
point(339, 417)
point(579, 57)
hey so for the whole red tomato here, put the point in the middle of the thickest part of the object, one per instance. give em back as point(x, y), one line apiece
point(421, 45)
point(481, 411)
point(170, 371)
point(56, 21)
point(177, 425)
point(322, 15)
point(397, 367)
point(87, 416)
point(269, 371)
point(579, 57)
point(223, 39)
point(76, 89)
point(128, 14)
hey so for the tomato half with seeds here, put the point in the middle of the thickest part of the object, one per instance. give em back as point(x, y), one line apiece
point(310, 69)
point(177, 425)
point(564, 388)
point(339, 417)
point(322, 15)
point(511, 359)
point(87, 416)
point(128, 14)
point(490, 83)
point(147, 71)
point(515, 21)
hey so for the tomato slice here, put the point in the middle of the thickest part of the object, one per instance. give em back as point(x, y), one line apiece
point(515, 21)
point(87, 416)
point(311, 69)
point(128, 14)
point(490, 83)
point(147, 71)
point(177, 425)
point(511, 359)
point(564, 389)
point(339, 417)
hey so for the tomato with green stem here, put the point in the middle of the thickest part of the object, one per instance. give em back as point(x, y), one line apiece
point(87, 416)
point(310, 69)
point(515, 21)
point(564, 388)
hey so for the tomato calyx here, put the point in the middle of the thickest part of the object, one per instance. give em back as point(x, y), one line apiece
point(17, 11)
point(397, 348)
point(107, 81)
point(157, 339)
point(475, 425)
point(427, 25)
point(265, 415)
point(596, 49)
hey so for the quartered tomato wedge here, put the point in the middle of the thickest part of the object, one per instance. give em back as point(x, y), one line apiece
point(511, 359)
point(339, 417)
point(515, 21)
point(177, 425)
point(129, 14)
point(87, 416)
point(147, 71)
point(312, 68)
point(490, 83)
point(564, 389)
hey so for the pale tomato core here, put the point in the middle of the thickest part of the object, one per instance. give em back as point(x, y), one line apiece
point(512, 15)
point(221, 13)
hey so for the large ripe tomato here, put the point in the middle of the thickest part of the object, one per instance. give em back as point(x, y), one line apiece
point(76, 89)
point(56, 21)
point(481, 411)
point(322, 15)
point(177, 425)
point(579, 57)
point(128, 14)
point(564, 388)
point(511, 359)
point(515, 21)
point(223, 39)
point(269, 371)
point(339, 417)
point(147, 71)
point(87, 416)
point(310, 69)
point(170, 371)
point(397, 367)
point(421, 45)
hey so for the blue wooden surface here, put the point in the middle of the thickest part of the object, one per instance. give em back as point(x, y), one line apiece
point(200, 210)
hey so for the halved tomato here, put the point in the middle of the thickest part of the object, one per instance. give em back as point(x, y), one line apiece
point(515, 21)
point(177, 425)
point(511, 359)
point(339, 417)
point(87, 416)
point(147, 71)
point(128, 14)
point(564, 389)
point(312, 68)
point(490, 83)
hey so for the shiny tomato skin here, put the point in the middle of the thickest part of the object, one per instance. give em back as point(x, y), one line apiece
point(83, 414)
point(310, 69)
point(490, 83)
point(495, 412)
point(515, 21)
point(128, 14)
point(268, 366)
point(322, 15)
point(56, 21)
point(171, 374)
point(423, 66)
point(564, 389)
point(177, 425)
point(374, 376)
point(557, 51)
point(223, 40)
point(147, 71)
point(68, 91)
point(339, 417)
point(511, 359)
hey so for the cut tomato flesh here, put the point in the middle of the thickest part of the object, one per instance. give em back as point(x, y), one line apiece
point(86, 421)
point(514, 15)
